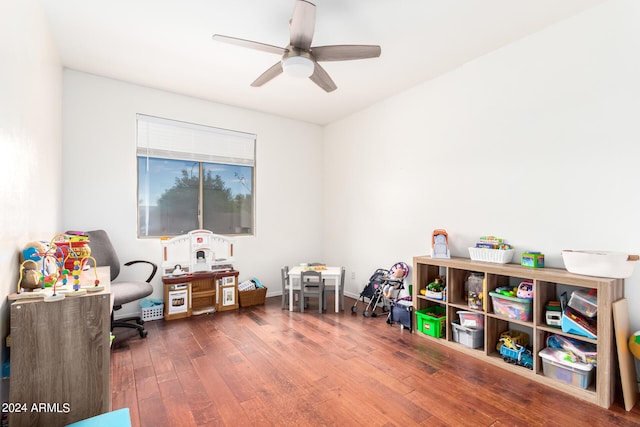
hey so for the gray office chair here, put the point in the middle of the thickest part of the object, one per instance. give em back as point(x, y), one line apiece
point(311, 284)
point(123, 291)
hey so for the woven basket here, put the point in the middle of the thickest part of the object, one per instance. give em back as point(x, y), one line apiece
point(500, 256)
point(254, 297)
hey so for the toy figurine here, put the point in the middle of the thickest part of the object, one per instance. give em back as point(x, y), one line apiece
point(35, 266)
point(440, 244)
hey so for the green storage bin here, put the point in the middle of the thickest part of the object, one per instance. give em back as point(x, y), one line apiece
point(432, 321)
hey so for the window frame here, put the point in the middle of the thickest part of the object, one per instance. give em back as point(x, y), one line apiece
point(216, 148)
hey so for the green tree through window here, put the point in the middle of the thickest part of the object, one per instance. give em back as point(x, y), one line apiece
point(177, 196)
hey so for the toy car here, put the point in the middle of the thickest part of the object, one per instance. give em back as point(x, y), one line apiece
point(525, 290)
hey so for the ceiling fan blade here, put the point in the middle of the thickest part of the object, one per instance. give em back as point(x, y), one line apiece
point(273, 72)
point(322, 79)
point(302, 25)
point(250, 44)
point(345, 52)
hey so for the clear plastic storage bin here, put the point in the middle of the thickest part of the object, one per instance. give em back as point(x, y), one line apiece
point(585, 301)
point(574, 373)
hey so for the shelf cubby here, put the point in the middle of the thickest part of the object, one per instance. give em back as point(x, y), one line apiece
point(548, 285)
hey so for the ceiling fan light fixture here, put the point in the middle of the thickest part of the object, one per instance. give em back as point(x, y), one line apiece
point(298, 66)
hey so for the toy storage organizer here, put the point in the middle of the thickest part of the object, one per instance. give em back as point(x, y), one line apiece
point(498, 313)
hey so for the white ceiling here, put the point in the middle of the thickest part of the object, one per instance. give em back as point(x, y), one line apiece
point(166, 44)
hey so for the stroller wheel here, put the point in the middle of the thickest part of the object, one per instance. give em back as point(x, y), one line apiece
point(354, 309)
point(365, 313)
point(374, 314)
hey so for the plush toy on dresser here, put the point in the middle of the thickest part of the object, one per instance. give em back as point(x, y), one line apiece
point(35, 267)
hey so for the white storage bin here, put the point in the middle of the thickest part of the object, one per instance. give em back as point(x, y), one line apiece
point(152, 313)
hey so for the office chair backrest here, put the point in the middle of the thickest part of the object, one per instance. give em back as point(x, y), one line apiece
point(102, 250)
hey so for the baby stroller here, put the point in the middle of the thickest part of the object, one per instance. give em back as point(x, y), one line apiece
point(382, 281)
point(373, 293)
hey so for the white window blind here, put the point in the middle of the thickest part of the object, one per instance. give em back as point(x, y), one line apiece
point(165, 138)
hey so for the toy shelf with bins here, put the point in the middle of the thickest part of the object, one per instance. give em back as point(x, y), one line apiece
point(548, 284)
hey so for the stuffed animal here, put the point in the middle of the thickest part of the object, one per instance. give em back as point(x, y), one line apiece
point(29, 276)
point(35, 266)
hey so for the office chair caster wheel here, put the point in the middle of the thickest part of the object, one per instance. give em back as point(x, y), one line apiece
point(143, 334)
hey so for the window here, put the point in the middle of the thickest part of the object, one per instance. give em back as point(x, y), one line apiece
point(193, 177)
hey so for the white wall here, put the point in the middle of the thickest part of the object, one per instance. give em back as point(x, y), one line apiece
point(537, 142)
point(100, 180)
point(30, 141)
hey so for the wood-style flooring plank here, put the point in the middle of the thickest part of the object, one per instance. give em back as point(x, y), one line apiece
point(263, 366)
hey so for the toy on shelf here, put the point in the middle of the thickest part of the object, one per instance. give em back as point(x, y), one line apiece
point(436, 289)
point(37, 266)
point(553, 314)
point(525, 289)
point(475, 285)
point(440, 244)
point(45, 271)
point(492, 242)
point(532, 259)
point(515, 353)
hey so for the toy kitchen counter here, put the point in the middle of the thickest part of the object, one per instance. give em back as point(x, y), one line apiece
point(198, 293)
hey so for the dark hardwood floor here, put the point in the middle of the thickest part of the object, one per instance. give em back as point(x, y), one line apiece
point(266, 366)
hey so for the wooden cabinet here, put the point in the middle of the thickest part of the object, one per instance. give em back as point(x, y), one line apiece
point(204, 292)
point(548, 283)
point(60, 357)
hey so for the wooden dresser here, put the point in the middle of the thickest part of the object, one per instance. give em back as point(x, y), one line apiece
point(60, 357)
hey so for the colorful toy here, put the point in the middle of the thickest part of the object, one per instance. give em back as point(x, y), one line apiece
point(507, 291)
point(475, 288)
point(440, 244)
point(634, 344)
point(553, 314)
point(515, 353)
point(397, 273)
point(532, 259)
point(51, 266)
point(436, 289)
point(525, 290)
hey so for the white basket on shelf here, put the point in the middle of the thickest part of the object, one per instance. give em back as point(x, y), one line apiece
point(500, 256)
point(152, 313)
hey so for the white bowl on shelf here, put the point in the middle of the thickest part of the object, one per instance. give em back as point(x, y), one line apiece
point(616, 265)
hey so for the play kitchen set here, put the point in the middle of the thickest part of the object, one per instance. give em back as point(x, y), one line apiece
point(551, 325)
point(198, 275)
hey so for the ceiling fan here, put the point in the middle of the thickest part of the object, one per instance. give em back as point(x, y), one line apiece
point(299, 58)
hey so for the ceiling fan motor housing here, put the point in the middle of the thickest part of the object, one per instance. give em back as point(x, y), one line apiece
point(297, 62)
